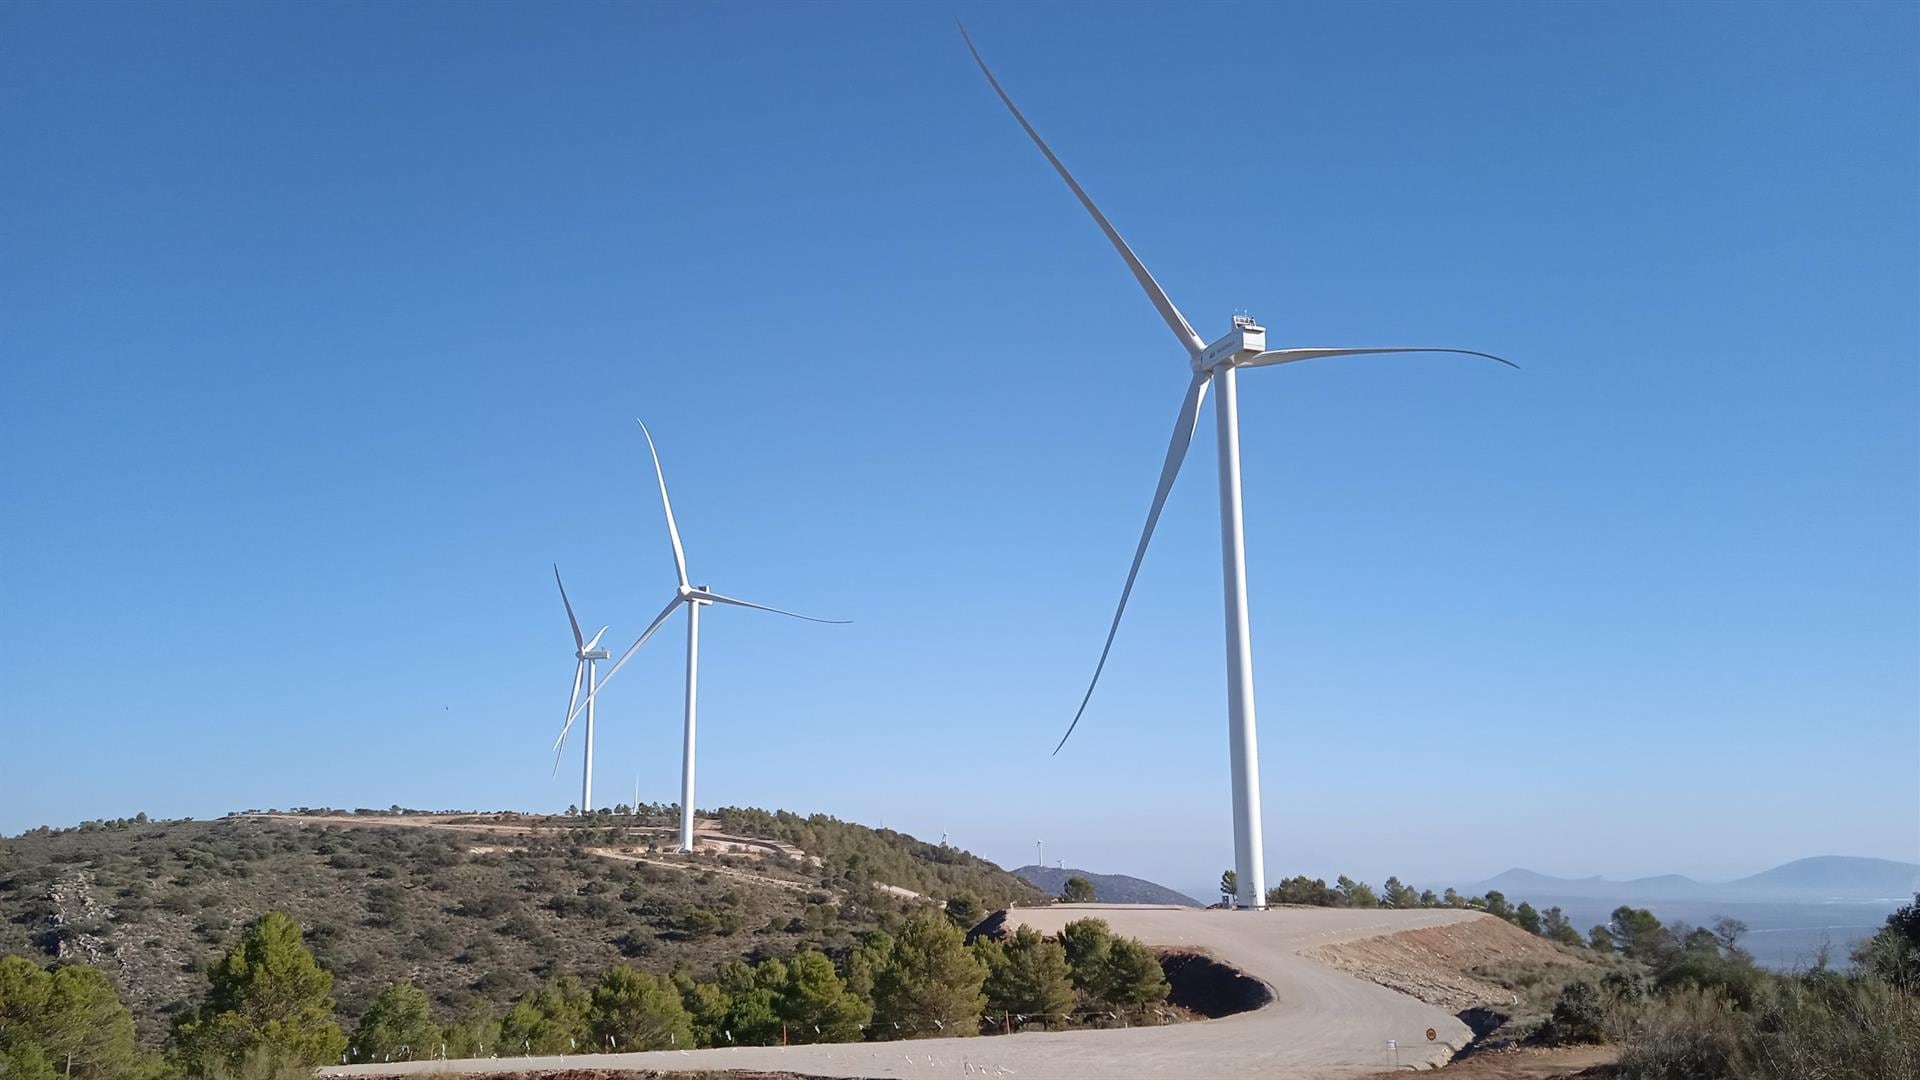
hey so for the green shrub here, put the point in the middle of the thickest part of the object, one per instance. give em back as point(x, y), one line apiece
point(397, 1026)
point(268, 999)
point(1579, 1016)
point(637, 1010)
point(1817, 1026)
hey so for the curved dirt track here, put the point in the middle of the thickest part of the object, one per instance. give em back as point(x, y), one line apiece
point(1321, 1023)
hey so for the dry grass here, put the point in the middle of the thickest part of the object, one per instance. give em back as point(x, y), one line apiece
point(1825, 1027)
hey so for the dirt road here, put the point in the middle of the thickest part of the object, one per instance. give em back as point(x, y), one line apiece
point(707, 837)
point(1322, 1023)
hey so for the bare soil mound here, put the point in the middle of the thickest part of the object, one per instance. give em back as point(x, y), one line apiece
point(1456, 967)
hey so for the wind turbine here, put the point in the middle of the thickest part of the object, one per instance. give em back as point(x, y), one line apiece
point(586, 654)
point(1244, 346)
point(694, 597)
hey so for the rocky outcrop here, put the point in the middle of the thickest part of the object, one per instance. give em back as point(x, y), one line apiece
point(76, 918)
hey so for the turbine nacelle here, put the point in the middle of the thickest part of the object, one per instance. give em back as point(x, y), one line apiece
point(1245, 341)
point(591, 650)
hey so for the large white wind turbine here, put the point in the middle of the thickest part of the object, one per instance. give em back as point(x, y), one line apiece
point(586, 654)
point(1244, 346)
point(694, 597)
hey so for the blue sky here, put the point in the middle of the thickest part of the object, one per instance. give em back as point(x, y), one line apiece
point(324, 329)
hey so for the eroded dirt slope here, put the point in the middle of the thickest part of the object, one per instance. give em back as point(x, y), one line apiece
point(1453, 966)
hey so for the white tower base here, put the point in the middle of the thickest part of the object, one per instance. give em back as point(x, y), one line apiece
point(1249, 859)
point(693, 693)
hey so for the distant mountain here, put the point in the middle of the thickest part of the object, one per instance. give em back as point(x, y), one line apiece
point(1824, 877)
point(1838, 876)
point(1108, 888)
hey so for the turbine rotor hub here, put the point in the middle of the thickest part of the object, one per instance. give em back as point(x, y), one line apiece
point(1243, 342)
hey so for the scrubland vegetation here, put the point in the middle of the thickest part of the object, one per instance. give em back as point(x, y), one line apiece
point(1696, 1007)
point(410, 943)
point(268, 1009)
point(462, 915)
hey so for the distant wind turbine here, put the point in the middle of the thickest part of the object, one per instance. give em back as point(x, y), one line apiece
point(1245, 345)
point(586, 654)
point(694, 597)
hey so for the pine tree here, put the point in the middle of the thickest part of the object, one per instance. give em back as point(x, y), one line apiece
point(754, 993)
point(1027, 975)
point(1133, 975)
point(549, 1020)
point(864, 962)
point(1078, 890)
point(965, 910)
point(638, 1010)
point(1087, 942)
point(1636, 932)
point(707, 1006)
point(816, 1005)
point(475, 1034)
point(268, 1002)
point(397, 1026)
point(1526, 918)
point(1355, 893)
point(68, 1020)
point(1554, 925)
point(931, 983)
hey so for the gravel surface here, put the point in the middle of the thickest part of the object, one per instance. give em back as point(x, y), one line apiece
point(1321, 1023)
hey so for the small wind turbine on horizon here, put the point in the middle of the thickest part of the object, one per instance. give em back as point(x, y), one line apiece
point(694, 597)
point(586, 654)
point(1244, 346)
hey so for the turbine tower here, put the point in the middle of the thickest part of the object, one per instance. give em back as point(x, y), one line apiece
point(694, 597)
point(1243, 346)
point(586, 654)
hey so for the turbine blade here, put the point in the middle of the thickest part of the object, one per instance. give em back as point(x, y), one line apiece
point(1175, 321)
point(579, 668)
point(702, 594)
point(575, 623)
point(1183, 427)
point(673, 531)
point(594, 692)
point(1288, 356)
point(593, 641)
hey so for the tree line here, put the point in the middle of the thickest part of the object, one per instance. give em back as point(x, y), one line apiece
point(1550, 923)
point(268, 1011)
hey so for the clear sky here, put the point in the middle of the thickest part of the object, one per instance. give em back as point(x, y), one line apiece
point(324, 328)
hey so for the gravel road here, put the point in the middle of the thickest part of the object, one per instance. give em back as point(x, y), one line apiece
point(1321, 1023)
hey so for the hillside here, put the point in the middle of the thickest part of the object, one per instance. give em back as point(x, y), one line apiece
point(1108, 888)
point(1837, 876)
point(468, 907)
point(1824, 877)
